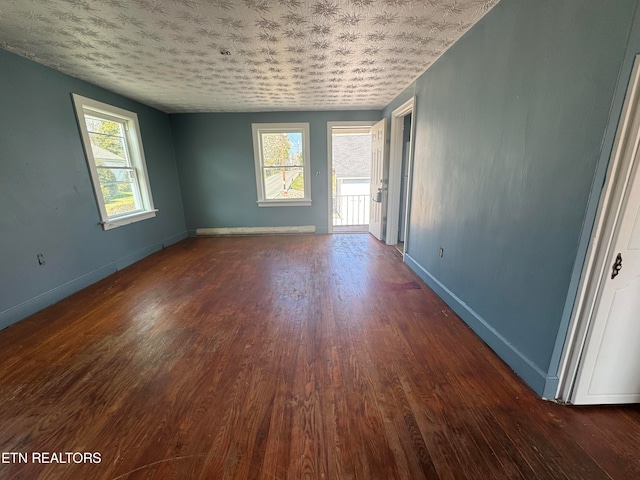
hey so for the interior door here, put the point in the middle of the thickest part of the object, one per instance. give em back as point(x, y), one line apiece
point(610, 368)
point(378, 183)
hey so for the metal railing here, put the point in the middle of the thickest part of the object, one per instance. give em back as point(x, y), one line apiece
point(351, 209)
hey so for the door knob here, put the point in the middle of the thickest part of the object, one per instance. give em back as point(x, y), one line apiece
point(617, 265)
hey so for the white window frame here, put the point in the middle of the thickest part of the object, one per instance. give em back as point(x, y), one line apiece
point(303, 128)
point(87, 106)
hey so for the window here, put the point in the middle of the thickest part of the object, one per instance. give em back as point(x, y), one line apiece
point(113, 147)
point(282, 163)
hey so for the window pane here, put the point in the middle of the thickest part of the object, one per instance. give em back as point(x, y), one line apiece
point(108, 151)
point(296, 189)
point(296, 148)
point(283, 182)
point(120, 190)
point(99, 125)
point(281, 149)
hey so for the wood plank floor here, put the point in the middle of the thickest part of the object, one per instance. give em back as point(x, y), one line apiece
point(283, 357)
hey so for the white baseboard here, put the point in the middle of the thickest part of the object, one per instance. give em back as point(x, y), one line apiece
point(204, 232)
point(517, 360)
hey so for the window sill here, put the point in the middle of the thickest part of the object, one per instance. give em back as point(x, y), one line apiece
point(127, 219)
point(284, 203)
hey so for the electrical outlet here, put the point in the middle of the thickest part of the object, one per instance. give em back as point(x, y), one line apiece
point(441, 252)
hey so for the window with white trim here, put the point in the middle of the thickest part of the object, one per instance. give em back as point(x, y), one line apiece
point(281, 152)
point(113, 148)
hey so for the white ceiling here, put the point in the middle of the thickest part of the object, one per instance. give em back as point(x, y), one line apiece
point(283, 55)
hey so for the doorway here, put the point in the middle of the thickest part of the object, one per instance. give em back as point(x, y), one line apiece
point(404, 180)
point(400, 169)
point(349, 148)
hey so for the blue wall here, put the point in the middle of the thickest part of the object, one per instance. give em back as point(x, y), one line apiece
point(47, 201)
point(217, 172)
point(509, 131)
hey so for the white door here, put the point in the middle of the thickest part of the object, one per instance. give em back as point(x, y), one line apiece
point(601, 356)
point(378, 183)
point(609, 370)
point(609, 367)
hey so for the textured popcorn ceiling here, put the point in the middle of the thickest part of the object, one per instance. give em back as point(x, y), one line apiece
point(282, 55)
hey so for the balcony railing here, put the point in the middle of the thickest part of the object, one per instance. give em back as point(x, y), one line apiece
point(351, 209)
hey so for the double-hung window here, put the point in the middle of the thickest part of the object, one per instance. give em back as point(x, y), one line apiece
point(113, 148)
point(281, 152)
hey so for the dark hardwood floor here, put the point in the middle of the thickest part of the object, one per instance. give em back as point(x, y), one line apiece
point(283, 357)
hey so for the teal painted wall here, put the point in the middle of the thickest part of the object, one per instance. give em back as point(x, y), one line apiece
point(510, 125)
point(47, 201)
point(217, 173)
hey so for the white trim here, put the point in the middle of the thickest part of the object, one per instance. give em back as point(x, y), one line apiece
point(127, 219)
point(610, 207)
point(204, 232)
point(330, 126)
point(294, 202)
point(302, 128)
point(87, 106)
point(395, 170)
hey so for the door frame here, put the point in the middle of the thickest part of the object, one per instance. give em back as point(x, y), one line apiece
point(330, 126)
point(395, 171)
point(626, 148)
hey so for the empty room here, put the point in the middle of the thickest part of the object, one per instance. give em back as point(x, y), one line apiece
point(321, 239)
